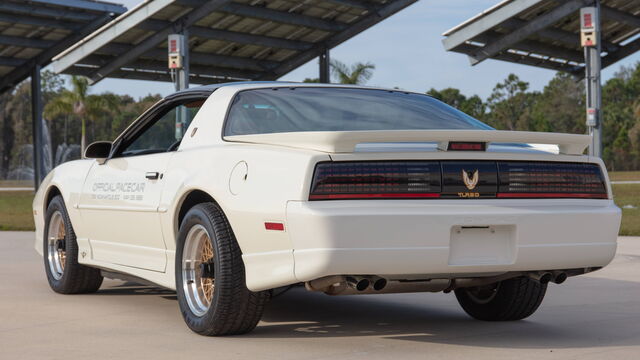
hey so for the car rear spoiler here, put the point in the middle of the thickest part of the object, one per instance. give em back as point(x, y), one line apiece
point(346, 141)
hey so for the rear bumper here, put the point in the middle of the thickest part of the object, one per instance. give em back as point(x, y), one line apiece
point(405, 239)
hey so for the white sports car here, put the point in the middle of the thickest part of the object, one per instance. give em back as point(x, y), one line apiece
point(225, 192)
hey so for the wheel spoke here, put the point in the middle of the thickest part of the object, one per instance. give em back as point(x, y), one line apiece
point(197, 273)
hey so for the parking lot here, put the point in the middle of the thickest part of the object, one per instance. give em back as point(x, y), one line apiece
point(590, 317)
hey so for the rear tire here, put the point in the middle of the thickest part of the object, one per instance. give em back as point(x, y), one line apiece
point(508, 300)
point(60, 249)
point(210, 277)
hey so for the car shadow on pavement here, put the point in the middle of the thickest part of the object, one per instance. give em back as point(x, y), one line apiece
point(132, 288)
point(299, 314)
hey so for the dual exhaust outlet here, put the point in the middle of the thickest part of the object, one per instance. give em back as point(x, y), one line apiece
point(356, 285)
point(545, 277)
point(363, 283)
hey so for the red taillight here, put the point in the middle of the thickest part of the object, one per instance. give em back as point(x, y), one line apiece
point(467, 146)
point(434, 179)
point(376, 180)
point(550, 180)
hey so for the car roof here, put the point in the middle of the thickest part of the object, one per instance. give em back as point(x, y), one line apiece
point(244, 85)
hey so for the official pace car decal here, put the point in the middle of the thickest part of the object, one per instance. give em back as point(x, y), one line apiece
point(118, 191)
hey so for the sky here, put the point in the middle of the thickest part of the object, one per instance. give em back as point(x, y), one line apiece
point(407, 52)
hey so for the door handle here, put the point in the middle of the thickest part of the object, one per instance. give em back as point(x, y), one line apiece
point(152, 175)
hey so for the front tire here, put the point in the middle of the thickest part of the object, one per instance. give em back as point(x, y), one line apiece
point(210, 278)
point(60, 249)
point(507, 300)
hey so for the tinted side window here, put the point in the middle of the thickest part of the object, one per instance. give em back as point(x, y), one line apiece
point(165, 133)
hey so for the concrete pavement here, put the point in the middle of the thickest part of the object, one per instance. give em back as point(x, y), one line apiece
point(589, 317)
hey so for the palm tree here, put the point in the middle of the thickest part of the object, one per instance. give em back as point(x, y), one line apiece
point(79, 103)
point(358, 74)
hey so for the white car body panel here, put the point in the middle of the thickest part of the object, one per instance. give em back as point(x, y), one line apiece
point(266, 178)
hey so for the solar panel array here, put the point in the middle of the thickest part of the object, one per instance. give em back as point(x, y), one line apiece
point(228, 39)
point(33, 31)
point(546, 33)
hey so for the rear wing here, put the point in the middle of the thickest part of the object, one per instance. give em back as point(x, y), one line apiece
point(346, 141)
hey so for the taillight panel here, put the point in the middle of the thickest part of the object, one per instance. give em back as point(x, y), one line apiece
point(376, 179)
point(546, 179)
point(456, 179)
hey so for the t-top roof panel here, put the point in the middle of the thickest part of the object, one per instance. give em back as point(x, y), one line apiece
point(228, 39)
point(32, 32)
point(546, 33)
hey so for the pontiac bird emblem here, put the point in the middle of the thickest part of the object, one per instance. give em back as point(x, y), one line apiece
point(470, 183)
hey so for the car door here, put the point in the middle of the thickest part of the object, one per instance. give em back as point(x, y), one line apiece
point(120, 198)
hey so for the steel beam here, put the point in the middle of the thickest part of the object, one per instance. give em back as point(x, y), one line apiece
point(25, 42)
point(160, 75)
point(45, 56)
point(531, 46)
point(251, 39)
point(152, 41)
point(620, 16)
point(325, 67)
point(547, 63)
point(11, 61)
point(622, 53)
point(39, 21)
point(358, 4)
point(593, 86)
point(485, 21)
point(284, 17)
point(571, 40)
point(354, 29)
point(60, 14)
point(231, 36)
point(36, 120)
point(196, 58)
point(531, 27)
point(161, 65)
point(84, 5)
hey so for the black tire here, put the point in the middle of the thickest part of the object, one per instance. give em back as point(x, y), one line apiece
point(234, 309)
point(75, 278)
point(508, 300)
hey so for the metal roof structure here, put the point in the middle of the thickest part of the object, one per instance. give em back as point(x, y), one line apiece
point(32, 32)
point(228, 39)
point(546, 33)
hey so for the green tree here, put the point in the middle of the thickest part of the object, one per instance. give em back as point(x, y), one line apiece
point(357, 74)
point(510, 104)
point(78, 102)
point(473, 106)
point(560, 107)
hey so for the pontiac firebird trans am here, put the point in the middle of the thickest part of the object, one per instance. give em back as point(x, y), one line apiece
point(226, 192)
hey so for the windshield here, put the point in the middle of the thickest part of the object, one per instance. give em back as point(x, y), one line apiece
point(294, 109)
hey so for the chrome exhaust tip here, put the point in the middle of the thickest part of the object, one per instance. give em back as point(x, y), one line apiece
point(559, 277)
point(542, 277)
point(359, 284)
point(379, 283)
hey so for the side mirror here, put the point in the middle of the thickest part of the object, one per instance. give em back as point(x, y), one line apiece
point(98, 150)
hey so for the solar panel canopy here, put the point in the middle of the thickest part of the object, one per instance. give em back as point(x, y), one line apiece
point(228, 39)
point(32, 32)
point(546, 33)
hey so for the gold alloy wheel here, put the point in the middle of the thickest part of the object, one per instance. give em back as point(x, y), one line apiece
point(56, 253)
point(198, 280)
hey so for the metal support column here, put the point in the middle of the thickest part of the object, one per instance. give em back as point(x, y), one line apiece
point(182, 78)
point(179, 63)
point(593, 86)
point(325, 67)
point(36, 117)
